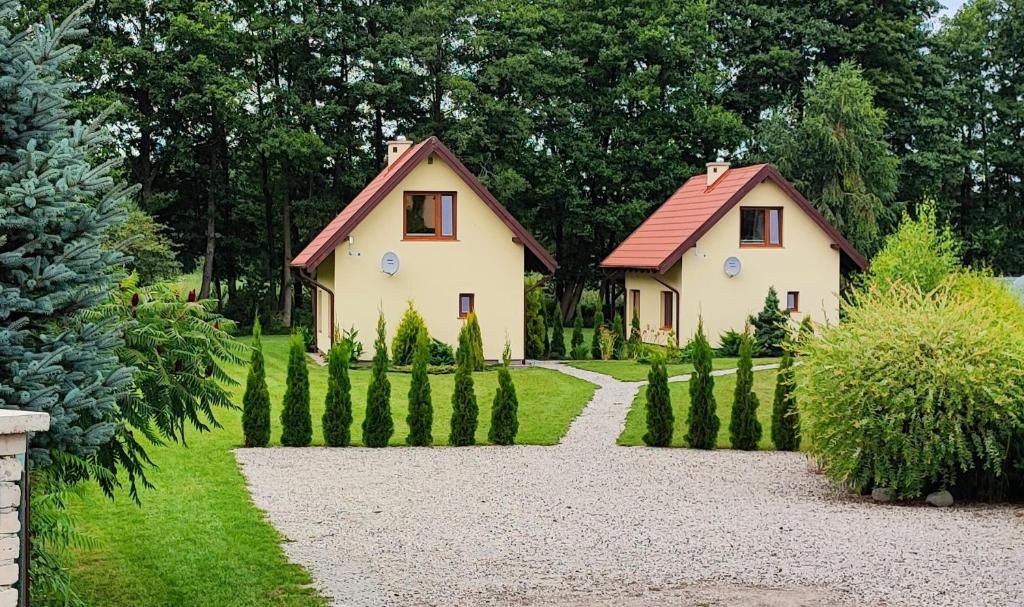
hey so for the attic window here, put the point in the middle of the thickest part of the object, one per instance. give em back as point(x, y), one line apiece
point(429, 216)
point(760, 227)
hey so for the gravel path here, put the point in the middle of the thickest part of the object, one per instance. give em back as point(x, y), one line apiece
point(589, 523)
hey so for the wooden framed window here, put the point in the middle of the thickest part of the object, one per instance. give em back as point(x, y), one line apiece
point(466, 304)
point(667, 314)
point(760, 227)
point(634, 296)
point(429, 216)
point(793, 301)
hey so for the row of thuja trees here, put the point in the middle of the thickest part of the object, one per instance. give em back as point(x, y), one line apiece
point(412, 344)
point(702, 420)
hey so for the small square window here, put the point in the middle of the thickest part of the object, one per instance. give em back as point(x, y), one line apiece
point(466, 304)
point(761, 227)
point(793, 301)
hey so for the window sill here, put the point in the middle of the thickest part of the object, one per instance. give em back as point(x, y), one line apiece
point(760, 246)
point(429, 239)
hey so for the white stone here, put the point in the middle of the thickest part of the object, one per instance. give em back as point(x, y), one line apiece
point(12, 444)
point(9, 522)
point(10, 469)
point(20, 422)
point(9, 597)
point(941, 499)
point(10, 495)
point(8, 574)
point(9, 547)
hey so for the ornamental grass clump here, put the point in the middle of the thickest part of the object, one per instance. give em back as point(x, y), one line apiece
point(920, 390)
point(421, 409)
point(296, 421)
point(256, 400)
point(702, 421)
point(744, 428)
point(785, 418)
point(464, 407)
point(337, 418)
point(403, 346)
point(505, 409)
point(378, 425)
point(659, 406)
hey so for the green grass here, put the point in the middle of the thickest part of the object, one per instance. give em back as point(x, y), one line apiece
point(631, 370)
point(764, 387)
point(198, 540)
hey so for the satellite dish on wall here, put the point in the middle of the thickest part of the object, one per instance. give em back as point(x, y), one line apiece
point(732, 266)
point(389, 263)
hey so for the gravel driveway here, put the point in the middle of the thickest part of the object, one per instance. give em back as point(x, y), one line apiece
point(590, 523)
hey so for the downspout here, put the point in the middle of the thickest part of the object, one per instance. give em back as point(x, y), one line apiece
point(304, 275)
point(540, 283)
point(677, 298)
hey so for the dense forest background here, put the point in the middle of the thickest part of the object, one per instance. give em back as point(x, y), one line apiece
point(249, 124)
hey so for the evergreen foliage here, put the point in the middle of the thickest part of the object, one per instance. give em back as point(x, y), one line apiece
point(378, 425)
point(558, 335)
point(770, 326)
point(785, 417)
point(337, 418)
point(595, 341)
point(744, 428)
point(476, 341)
point(702, 420)
point(635, 345)
point(578, 351)
point(149, 248)
point(659, 406)
point(505, 408)
point(729, 343)
point(535, 329)
point(256, 400)
point(619, 343)
point(403, 346)
point(464, 407)
point(296, 421)
point(421, 410)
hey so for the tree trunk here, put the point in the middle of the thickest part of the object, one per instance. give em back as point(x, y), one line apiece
point(570, 298)
point(287, 288)
point(268, 218)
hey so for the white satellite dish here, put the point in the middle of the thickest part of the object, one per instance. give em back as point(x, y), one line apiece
point(732, 266)
point(389, 263)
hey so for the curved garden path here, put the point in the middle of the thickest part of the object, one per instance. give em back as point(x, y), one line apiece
point(590, 523)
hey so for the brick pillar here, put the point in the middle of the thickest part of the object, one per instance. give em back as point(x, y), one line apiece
point(14, 429)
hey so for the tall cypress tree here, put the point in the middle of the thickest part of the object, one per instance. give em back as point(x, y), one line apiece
point(505, 408)
point(558, 334)
point(635, 345)
point(476, 341)
point(296, 422)
point(337, 418)
point(595, 341)
point(256, 400)
point(619, 346)
point(702, 421)
point(378, 425)
point(785, 420)
point(659, 406)
point(421, 410)
point(578, 351)
point(744, 427)
point(464, 407)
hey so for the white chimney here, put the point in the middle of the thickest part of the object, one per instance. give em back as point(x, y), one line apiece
point(715, 170)
point(397, 147)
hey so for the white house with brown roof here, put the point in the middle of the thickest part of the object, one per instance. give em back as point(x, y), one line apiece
point(423, 230)
point(714, 248)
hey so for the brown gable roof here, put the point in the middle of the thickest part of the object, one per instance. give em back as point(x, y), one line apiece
point(675, 226)
point(341, 226)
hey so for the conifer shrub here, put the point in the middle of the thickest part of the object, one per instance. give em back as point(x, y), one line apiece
point(607, 343)
point(378, 425)
point(256, 400)
point(535, 329)
point(421, 410)
point(505, 408)
point(595, 340)
point(744, 427)
point(770, 326)
point(804, 332)
point(547, 335)
point(579, 351)
point(702, 420)
point(729, 343)
point(441, 354)
point(659, 406)
point(558, 334)
point(337, 417)
point(619, 343)
point(296, 421)
point(464, 407)
point(785, 418)
point(403, 346)
point(476, 342)
point(635, 345)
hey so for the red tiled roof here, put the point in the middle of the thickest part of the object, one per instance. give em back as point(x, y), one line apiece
point(341, 226)
point(693, 209)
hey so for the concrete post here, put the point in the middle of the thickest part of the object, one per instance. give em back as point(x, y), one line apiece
point(14, 429)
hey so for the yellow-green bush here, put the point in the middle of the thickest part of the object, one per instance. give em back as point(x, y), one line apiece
point(920, 390)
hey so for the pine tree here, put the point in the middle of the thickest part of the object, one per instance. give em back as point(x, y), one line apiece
point(702, 421)
point(337, 418)
point(558, 335)
point(744, 428)
point(659, 406)
point(505, 408)
point(785, 420)
point(770, 326)
point(476, 342)
point(378, 425)
point(619, 347)
point(256, 400)
point(421, 409)
point(578, 351)
point(296, 422)
point(464, 408)
point(403, 346)
point(595, 341)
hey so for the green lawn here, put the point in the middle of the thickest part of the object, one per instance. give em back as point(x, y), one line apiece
point(764, 387)
point(198, 540)
point(631, 370)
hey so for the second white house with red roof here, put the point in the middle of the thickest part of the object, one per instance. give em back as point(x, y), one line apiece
point(716, 246)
